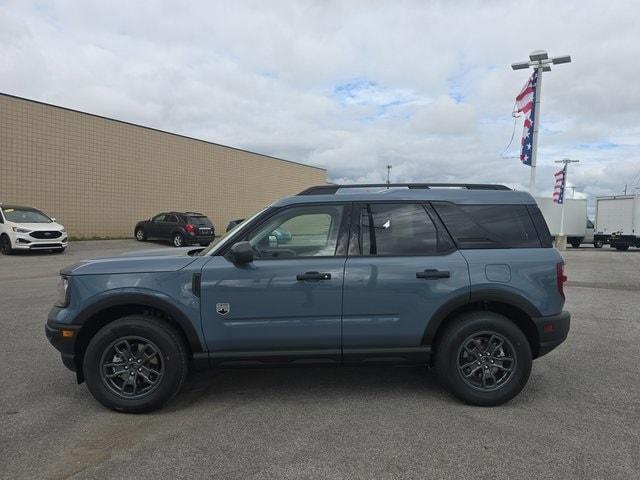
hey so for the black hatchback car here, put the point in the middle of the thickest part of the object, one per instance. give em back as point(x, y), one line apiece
point(181, 229)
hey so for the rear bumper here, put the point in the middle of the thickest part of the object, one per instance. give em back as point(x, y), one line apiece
point(552, 331)
point(190, 240)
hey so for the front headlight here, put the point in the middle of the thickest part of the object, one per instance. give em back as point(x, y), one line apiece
point(20, 230)
point(64, 230)
point(63, 292)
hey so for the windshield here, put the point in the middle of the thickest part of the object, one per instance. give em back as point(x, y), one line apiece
point(25, 215)
point(214, 246)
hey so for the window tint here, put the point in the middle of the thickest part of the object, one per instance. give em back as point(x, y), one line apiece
point(396, 229)
point(158, 218)
point(489, 226)
point(310, 231)
point(200, 221)
point(546, 241)
point(171, 219)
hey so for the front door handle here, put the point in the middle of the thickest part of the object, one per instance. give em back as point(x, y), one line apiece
point(313, 276)
point(432, 273)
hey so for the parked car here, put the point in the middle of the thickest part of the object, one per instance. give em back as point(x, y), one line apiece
point(27, 228)
point(234, 223)
point(463, 279)
point(181, 229)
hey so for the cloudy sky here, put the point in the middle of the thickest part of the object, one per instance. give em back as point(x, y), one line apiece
point(350, 86)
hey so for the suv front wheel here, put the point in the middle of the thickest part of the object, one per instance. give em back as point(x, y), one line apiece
point(483, 358)
point(135, 364)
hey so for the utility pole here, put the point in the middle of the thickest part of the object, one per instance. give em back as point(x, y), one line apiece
point(538, 60)
point(389, 167)
point(562, 240)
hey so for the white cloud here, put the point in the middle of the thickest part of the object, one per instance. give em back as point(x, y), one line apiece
point(351, 86)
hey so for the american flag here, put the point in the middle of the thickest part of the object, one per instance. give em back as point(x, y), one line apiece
point(558, 189)
point(525, 104)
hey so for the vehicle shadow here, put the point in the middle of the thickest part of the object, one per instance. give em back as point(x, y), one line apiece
point(285, 385)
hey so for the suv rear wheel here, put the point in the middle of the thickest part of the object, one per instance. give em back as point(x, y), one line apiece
point(178, 240)
point(483, 358)
point(135, 364)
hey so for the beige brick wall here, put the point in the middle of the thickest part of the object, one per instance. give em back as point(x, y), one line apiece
point(99, 177)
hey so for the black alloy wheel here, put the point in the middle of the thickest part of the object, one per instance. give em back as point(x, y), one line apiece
point(131, 367)
point(486, 361)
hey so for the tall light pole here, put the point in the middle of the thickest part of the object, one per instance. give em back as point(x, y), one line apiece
point(540, 61)
point(389, 167)
point(566, 162)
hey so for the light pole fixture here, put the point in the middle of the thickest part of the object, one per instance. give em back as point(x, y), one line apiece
point(538, 60)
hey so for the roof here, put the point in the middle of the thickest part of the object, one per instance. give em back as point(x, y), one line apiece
point(158, 130)
point(371, 193)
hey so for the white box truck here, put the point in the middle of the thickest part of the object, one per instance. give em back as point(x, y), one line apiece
point(577, 227)
point(618, 221)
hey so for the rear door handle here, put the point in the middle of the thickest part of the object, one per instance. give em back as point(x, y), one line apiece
point(313, 276)
point(432, 273)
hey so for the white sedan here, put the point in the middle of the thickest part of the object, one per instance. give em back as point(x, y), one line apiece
point(27, 228)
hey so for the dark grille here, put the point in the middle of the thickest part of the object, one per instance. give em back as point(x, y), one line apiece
point(46, 235)
point(35, 246)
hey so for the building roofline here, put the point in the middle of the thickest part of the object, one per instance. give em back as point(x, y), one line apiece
point(158, 130)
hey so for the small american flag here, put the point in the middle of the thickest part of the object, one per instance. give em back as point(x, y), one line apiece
point(558, 189)
point(525, 104)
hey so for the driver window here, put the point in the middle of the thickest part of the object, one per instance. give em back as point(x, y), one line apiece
point(299, 232)
point(158, 218)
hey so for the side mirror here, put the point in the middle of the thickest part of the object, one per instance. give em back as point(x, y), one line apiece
point(241, 253)
point(53, 219)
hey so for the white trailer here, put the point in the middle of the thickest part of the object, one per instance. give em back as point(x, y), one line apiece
point(576, 224)
point(618, 221)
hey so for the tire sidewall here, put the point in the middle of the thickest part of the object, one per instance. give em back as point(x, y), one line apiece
point(447, 357)
point(5, 245)
point(173, 357)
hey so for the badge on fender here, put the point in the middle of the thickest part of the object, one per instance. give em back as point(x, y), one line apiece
point(223, 308)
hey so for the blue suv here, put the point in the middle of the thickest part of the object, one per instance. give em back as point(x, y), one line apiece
point(459, 277)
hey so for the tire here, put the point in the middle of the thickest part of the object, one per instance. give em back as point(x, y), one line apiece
point(597, 244)
point(167, 367)
point(575, 244)
point(140, 235)
point(5, 245)
point(177, 240)
point(451, 355)
point(622, 248)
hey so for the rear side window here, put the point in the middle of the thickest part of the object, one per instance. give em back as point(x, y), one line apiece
point(489, 226)
point(396, 229)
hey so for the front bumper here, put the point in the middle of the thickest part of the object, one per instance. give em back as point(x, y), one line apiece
point(24, 241)
point(64, 344)
point(552, 331)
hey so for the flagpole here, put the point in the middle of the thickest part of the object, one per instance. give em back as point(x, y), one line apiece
point(538, 60)
point(536, 122)
point(561, 242)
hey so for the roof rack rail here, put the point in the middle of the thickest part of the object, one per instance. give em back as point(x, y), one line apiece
point(332, 189)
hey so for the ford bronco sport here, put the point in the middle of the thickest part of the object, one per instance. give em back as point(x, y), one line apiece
point(459, 277)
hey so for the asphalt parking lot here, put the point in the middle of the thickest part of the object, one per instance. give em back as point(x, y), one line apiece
point(579, 416)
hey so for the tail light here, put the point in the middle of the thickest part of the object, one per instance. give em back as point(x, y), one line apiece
point(190, 228)
point(561, 277)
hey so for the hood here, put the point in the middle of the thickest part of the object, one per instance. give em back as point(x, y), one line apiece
point(150, 261)
point(38, 226)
